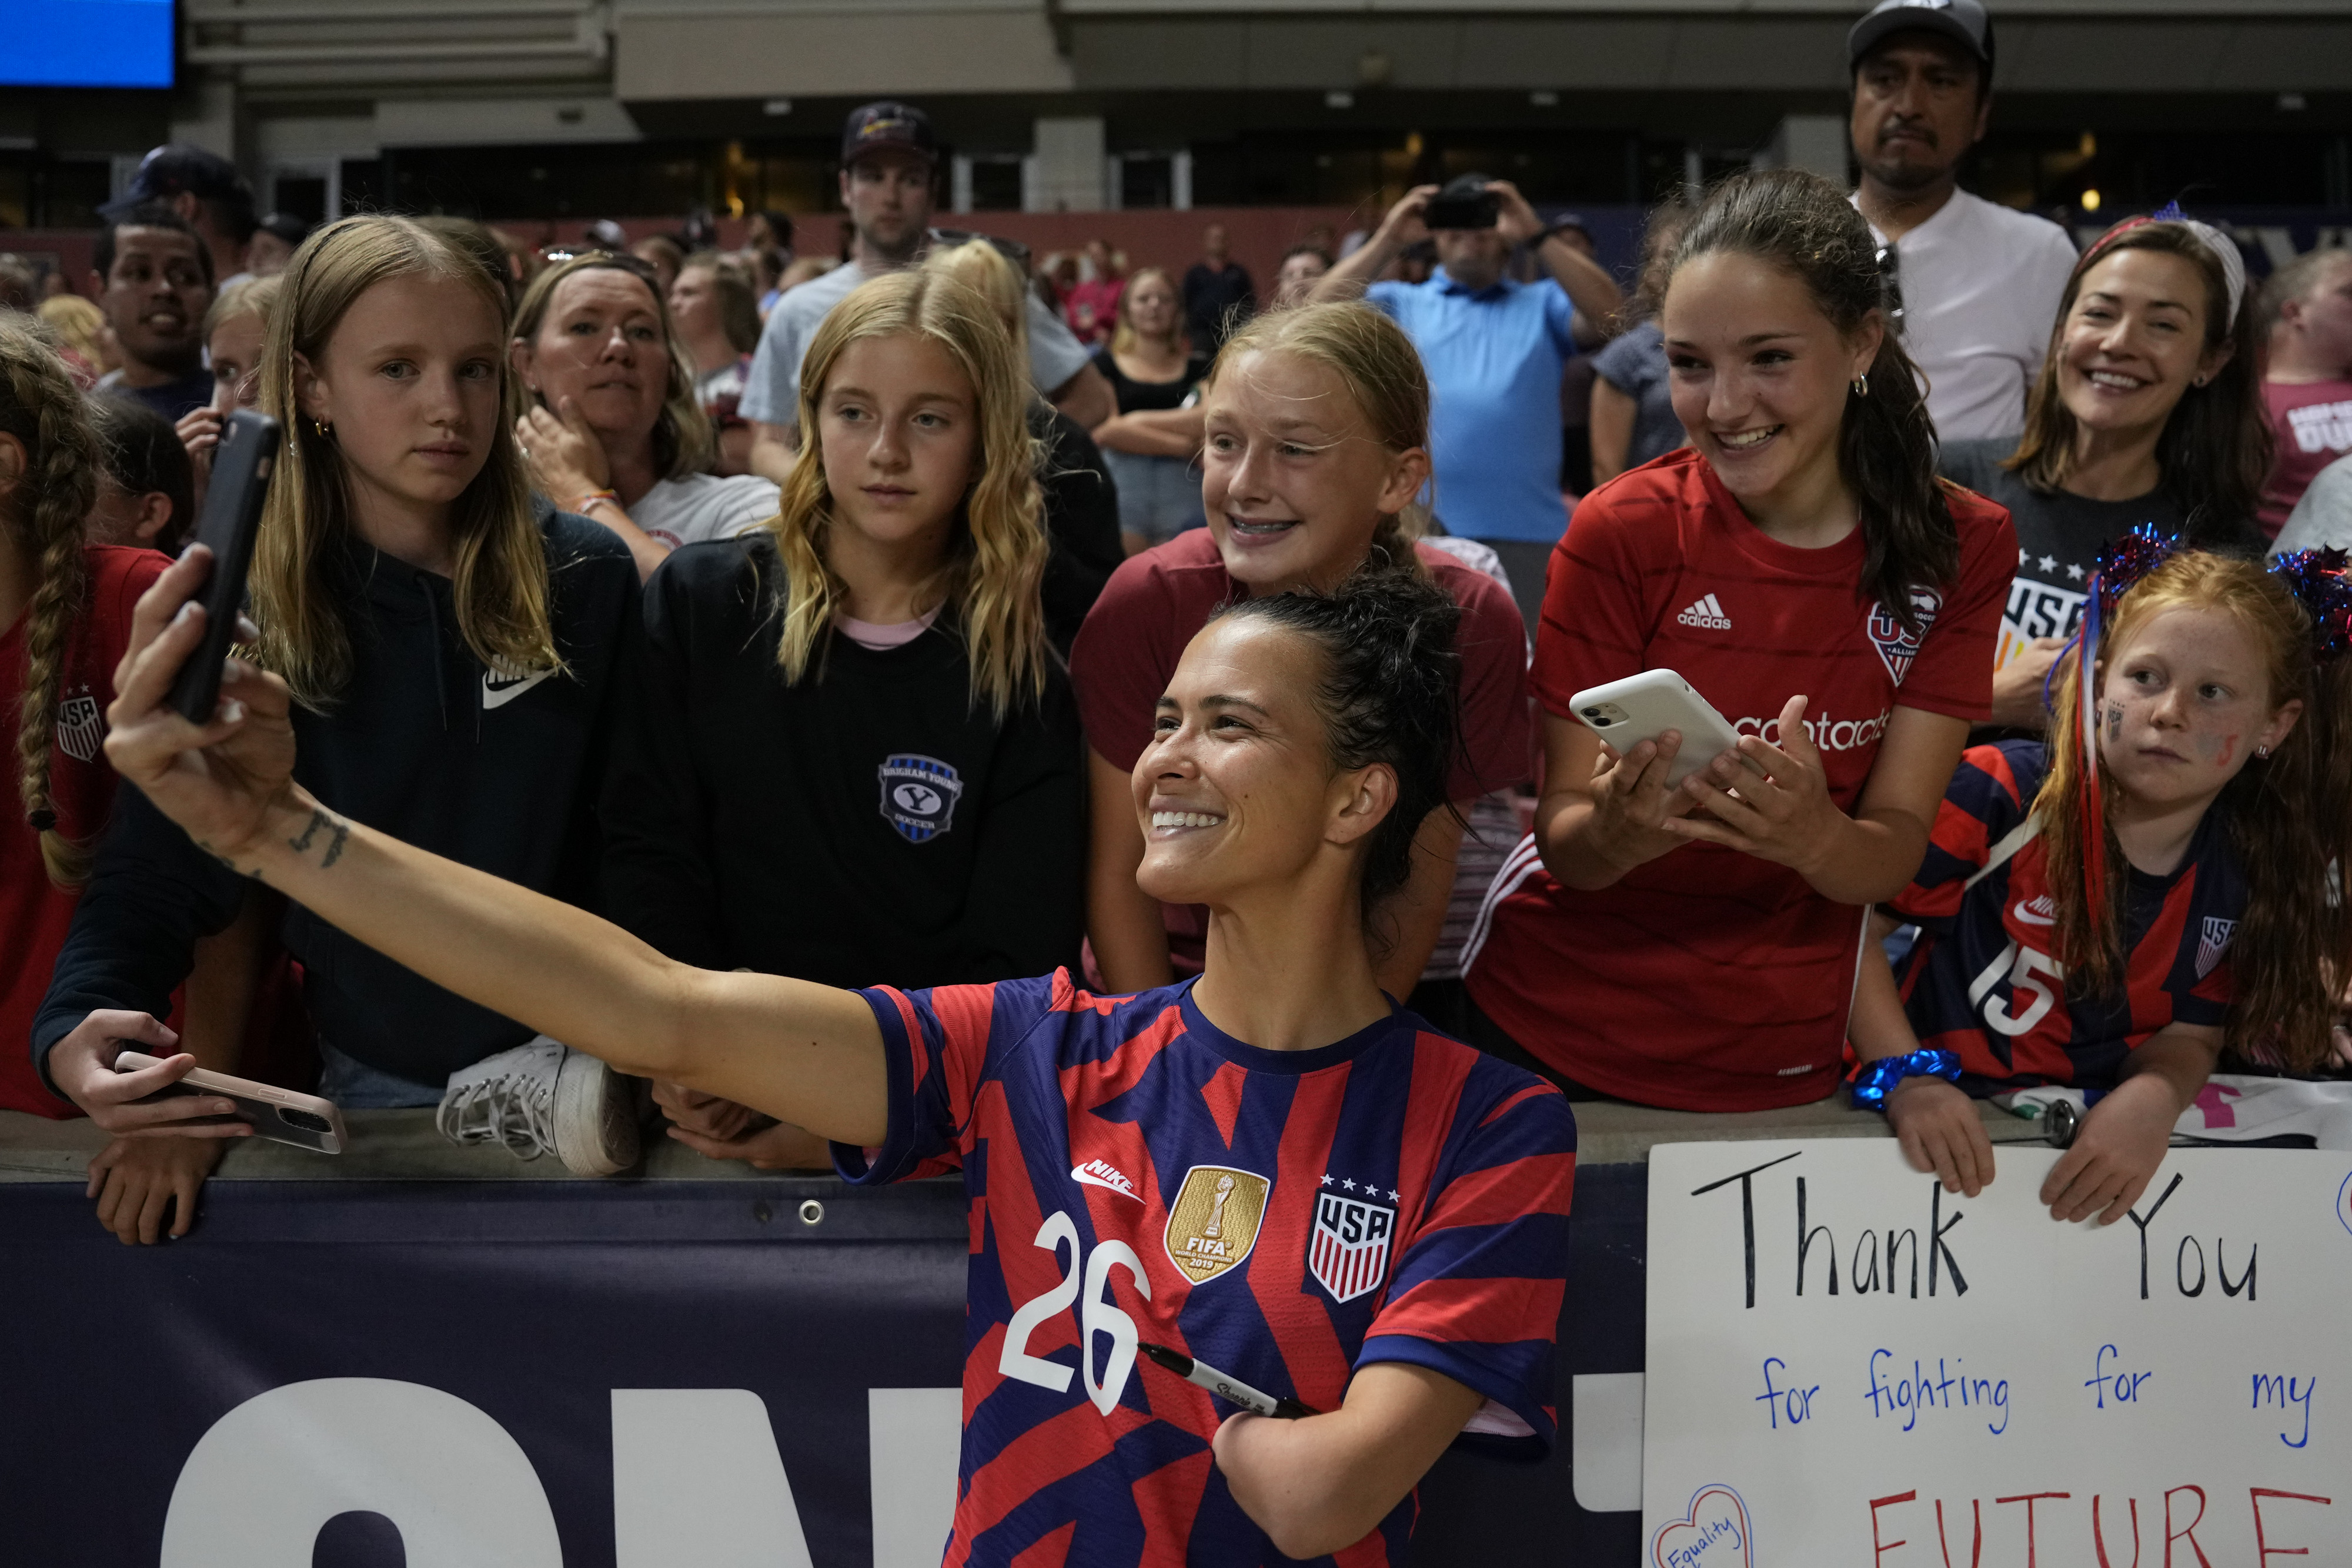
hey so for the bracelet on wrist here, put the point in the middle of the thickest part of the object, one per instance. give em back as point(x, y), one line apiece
point(591, 497)
point(1871, 1084)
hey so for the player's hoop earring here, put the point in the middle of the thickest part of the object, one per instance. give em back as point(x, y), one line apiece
point(326, 431)
point(1862, 386)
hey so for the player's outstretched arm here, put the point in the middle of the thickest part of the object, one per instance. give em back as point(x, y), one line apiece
point(806, 1053)
point(1322, 1483)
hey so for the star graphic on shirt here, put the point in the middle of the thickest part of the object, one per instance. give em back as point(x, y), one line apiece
point(1349, 1184)
point(2074, 572)
point(1392, 1196)
point(2021, 556)
point(1327, 1179)
point(2049, 563)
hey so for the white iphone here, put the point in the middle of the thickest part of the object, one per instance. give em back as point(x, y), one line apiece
point(281, 1115)
point(1643, 707)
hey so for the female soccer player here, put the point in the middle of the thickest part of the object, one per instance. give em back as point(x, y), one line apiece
point(1272, 1168)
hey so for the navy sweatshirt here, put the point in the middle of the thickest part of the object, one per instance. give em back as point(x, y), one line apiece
point(869, 825)
point(422, 743)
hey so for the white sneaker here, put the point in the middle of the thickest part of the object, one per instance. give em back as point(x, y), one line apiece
point(544, 1097)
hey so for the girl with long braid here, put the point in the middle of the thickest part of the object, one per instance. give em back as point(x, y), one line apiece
point(2112, 908)
point(65, 619)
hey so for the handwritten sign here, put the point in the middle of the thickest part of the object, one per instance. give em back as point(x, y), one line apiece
point(1848, 1365)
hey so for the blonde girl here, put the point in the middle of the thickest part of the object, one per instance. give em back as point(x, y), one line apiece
point(860, 704)
point(2114, 908)
point(1317, 424)
point(452, 653)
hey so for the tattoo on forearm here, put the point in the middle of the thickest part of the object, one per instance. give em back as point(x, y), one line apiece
point(253, 872)
point(319, 818)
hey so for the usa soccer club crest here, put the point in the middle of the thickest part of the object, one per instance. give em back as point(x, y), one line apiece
point(2212, 943)
point(1896, 648)
point(919, 796)
point(1214, 1222)
point(81, 728)
point(1347, 1252)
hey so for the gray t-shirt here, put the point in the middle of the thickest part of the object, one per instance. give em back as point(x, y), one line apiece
point(2321, 520)
point(772, 392)
point(1634, 362)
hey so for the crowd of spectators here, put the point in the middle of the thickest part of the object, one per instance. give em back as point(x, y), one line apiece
point(636, 574)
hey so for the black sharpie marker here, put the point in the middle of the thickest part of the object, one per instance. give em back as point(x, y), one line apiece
point(1201, 1374)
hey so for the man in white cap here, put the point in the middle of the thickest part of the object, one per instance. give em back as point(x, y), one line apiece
point(1972, 286)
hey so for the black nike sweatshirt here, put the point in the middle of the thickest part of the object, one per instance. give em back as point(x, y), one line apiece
point(869, 825)
point(424, 743)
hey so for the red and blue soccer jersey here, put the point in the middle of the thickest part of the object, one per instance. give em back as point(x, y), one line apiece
point(1983, 984)
point(1286, 1217)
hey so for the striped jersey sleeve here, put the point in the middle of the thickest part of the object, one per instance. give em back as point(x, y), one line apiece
point(935, 1044)
point(1477, 1294)
point(1990, 794)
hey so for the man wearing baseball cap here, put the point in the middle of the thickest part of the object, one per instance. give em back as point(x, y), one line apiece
point(1972, 286)
point(889, 161)
point(208, 193)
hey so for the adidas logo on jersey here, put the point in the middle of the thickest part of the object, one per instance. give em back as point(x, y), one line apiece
point(1706, 614)
point(1102, 1173)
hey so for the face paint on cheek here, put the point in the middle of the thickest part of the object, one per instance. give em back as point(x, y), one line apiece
point(2115, 721)
point(2218, 750)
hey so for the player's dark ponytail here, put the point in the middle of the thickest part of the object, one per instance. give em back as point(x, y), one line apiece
point(1389, 695)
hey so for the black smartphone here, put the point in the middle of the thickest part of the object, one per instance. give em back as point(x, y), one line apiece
point(241, 469)
point(1476, 210)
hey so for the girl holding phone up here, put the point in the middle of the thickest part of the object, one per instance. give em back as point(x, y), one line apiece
point(1802, 567)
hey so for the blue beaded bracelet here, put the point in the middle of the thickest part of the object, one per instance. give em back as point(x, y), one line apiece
point(1871, 1084)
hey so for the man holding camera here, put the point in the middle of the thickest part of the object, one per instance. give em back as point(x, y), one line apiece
point(1494, 349)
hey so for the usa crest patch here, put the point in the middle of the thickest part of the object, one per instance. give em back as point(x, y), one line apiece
point(1347, 1251)
point(1896, 648)
point(919, 796)
point(2212, 943)
point(81, 728)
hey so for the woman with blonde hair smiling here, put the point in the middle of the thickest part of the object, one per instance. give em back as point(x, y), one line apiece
point(859, 704)
point(451, 656)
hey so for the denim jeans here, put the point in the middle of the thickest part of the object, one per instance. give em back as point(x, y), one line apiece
point(355, 1086)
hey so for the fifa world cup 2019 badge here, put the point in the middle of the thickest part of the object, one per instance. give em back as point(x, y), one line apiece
point(1214, 1222)
point(81, 728)
point(919, 796)
point(1896, 648)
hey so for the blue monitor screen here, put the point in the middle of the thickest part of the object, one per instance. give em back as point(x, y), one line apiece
point(86, 43)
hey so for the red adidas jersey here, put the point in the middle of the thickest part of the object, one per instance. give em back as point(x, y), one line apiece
point(1709, 980)
point(34, 914)
point(1135, 1174)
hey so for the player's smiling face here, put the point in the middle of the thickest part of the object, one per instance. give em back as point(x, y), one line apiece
point(1292, 476)
point(1236, 789)
point(2186, 700)
point(2133, 342)
point(1757, 375)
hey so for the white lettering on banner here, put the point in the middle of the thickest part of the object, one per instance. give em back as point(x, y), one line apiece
point(696, 1479)
point(2037, 610)
point(1849, 1365)
point(914, 1440)
point(1826, 733)
point(258, 1486)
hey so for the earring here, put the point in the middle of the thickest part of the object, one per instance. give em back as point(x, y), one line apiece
point(2199, 380)
point(326, 431)
point(1862, 386)
point(2262, 751)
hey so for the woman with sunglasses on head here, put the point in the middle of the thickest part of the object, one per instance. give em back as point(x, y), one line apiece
point(1801, 565)
point(616, 431)
point(2146, 410)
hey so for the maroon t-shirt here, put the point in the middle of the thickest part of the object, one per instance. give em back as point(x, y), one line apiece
point(1155, 601)
point(2311, 426)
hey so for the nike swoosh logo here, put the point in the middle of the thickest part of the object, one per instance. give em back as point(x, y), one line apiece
point(2028, 915)
point(497, 694)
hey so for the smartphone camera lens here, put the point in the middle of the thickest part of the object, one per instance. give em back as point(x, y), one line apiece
point(1597, 716)
point(310, 1122)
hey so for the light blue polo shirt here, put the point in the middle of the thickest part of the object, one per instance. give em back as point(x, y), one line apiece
point(1494, 360)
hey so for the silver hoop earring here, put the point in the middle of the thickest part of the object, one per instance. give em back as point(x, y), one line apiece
point(1862, 386)
point(2262, 751)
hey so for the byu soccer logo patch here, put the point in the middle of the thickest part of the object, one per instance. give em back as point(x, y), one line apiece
point(81, 728)
point(1896, 648)
point(1347, 1251)
point(919, 796)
